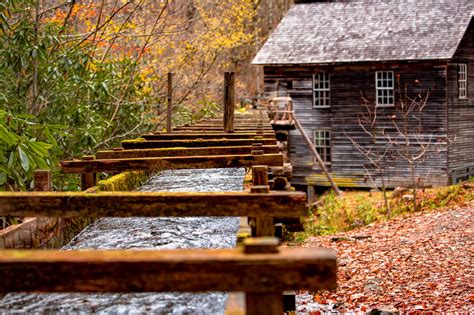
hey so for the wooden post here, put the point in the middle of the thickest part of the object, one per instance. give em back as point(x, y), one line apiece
point(258, 302)
point(169, 127)
point(263, 224)
point(42, 180)
point(88, 179)
point(310, 192)
point(229, 101)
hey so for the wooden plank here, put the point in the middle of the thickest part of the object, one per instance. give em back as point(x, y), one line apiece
point(174, 162)
point(156, 204)
point(193, 143)
point(166, 270)
point(142, 153)
point(202, 135)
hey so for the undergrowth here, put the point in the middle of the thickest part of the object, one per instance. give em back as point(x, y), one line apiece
point(335, 214)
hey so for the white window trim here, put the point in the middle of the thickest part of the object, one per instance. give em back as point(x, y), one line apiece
point(462, 81)
point(377, 89)
point(327, 78)
point(324, 156)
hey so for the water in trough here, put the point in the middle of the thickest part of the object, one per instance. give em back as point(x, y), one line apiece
point(147, 233)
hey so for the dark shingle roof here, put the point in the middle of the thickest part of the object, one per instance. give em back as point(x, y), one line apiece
point(368, 30)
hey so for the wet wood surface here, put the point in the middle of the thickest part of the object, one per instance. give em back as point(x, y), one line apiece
point(177, 162)
point(141, 153)
point(152, 204)
point(166, 270)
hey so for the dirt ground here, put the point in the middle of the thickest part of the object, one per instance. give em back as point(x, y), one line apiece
point(422, 262)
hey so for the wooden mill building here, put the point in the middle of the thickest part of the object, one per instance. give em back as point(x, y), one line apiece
point(392, 79)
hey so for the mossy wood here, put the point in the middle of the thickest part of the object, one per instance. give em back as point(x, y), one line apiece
point(167, 270)
point(143, 153)
point(155, 204)
point(177, 162)
point(194, 143)
point(203, 135)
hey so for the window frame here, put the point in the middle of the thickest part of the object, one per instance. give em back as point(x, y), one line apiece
point(321, 89)
point(462, 81)
point(384, 92)
point(325, 149)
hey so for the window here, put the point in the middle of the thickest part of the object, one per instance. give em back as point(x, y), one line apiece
point(384, 86)
point(321, 90)
point(462, 81)
point(322, 143)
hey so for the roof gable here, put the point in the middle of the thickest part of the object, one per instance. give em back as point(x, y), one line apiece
point(368, 30)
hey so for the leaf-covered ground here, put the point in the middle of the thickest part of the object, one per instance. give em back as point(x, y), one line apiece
point(422, 262)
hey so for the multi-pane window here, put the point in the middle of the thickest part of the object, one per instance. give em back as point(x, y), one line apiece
point(462, 80)
point(322, 143)
point(384, 86)
point(321, 90)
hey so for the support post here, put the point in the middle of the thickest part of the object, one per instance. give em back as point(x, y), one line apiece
point(316, 155)
point(42, 180)
point(88, 179)
point(263, 224)
point(169, 112)
point(258, 302)
point(229, 101)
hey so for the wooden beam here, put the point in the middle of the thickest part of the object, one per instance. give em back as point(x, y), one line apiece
point(202, 135)
point(174, 162)
point(193, 143)
point(156, 204)
point(143, 153)
point(166, 270)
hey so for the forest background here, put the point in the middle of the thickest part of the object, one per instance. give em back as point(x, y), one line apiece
point(76, 76)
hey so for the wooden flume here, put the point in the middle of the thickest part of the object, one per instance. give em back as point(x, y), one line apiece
point(261, 270)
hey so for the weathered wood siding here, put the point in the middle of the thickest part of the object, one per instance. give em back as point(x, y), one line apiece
point(461, 112)
point(348, 84)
